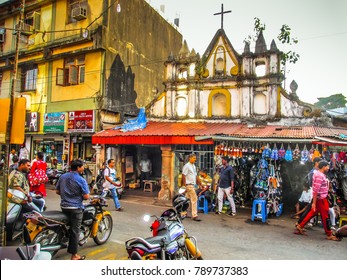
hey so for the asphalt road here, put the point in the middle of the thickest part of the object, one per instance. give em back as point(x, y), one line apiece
point(219, 236)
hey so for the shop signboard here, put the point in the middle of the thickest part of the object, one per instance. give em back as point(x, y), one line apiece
point(54, 122)
point(32, 120)
point(81, 121)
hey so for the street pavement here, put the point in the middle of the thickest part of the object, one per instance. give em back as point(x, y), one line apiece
point(219, 236)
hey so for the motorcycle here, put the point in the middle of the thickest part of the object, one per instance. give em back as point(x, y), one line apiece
point(15, 211)
point(170, 240)
point(54, 175)
point(50, 229)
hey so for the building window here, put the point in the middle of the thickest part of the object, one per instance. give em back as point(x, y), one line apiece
point(181, 106)
point(29, 78)
point(219, 64)
point(73, 72)
point(260, 69)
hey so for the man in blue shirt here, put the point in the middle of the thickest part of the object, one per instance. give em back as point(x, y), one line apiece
point(226, 186)
point(73, 189)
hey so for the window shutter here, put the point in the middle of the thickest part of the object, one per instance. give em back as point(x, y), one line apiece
point(73, 75)
point(60, 77)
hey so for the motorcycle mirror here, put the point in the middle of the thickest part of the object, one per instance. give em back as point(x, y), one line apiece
point(146, 217)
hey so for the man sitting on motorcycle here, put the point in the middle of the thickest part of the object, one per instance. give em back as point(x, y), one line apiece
point(73, 189)
point(17, 180)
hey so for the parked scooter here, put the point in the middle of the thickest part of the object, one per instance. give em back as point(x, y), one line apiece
point(170, 239)
point(50, 228)
point(54, 174)
point(16, 207)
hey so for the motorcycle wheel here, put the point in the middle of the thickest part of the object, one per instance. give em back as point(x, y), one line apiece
point(104, 230)
point(44, 238)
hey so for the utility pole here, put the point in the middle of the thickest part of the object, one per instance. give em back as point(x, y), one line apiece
point(8, 128)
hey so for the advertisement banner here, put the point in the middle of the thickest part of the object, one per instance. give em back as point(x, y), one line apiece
point(54, 122)
point(32, 122)
point(81, 121)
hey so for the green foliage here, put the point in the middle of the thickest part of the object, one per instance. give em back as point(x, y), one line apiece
point(284, 37)
point(331, 102)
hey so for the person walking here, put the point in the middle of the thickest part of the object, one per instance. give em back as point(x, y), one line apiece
point(226, 186)
point(309, 177)
point(73, 189)
point(189, 180)
point(320, 201)
point(145, 169)
point(110, 182)
point(39, 164)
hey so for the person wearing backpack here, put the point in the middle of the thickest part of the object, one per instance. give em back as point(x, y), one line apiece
point(110, 182)
point(38, 168)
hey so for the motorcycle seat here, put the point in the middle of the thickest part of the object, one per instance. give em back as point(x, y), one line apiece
point(56, 215)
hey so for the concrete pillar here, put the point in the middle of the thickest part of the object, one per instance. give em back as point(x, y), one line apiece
point(167, 186)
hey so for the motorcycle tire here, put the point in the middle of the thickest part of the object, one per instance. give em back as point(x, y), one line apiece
point(106, 225)
point(44, 239)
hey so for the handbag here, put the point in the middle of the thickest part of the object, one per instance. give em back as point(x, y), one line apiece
point(37, 178)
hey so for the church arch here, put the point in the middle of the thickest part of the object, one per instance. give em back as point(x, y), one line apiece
point(181, 106)
point(219, 103)
point(220, 61)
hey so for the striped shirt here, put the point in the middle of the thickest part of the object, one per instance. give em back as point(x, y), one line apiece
point(320, 185)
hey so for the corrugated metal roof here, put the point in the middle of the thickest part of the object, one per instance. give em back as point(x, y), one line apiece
point(174, 132)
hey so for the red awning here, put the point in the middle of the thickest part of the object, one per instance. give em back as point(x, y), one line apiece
point(167, 133)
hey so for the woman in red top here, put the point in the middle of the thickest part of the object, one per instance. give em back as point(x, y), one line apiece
point(39, 164)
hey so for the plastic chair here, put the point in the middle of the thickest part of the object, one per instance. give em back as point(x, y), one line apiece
point(203, 201)
point(262, 214)
point(148, 186)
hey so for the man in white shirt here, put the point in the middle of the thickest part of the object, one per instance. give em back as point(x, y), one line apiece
point(189, 179)
point(110, 182)
point(145, 169)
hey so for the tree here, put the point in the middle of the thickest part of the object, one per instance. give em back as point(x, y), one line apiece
point(331, 102)
point(285, 38)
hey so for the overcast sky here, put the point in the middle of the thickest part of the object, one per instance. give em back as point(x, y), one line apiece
point(319, 25)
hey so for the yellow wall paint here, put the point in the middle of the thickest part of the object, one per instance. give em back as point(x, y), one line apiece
point(91, 83)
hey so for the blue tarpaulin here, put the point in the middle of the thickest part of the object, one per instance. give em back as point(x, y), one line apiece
point(134, 124)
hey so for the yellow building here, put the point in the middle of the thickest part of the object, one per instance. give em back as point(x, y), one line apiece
point(82, 64)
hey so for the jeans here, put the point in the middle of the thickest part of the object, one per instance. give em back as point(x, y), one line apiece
point(230, 198)
point(115, 197)
point(75, 218)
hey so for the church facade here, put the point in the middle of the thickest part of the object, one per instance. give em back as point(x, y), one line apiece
point(223, 84)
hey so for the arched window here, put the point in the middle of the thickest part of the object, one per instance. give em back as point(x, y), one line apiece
point(219, 65)
point(260, 69)
point(181, 106)
point(219, 103)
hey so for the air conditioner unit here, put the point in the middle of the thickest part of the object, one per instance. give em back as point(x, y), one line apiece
point(79, 13)
point(24, 28)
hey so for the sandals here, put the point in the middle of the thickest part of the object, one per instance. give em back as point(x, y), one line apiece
point(79, 258)
point(300, 230)
point(333, 238)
